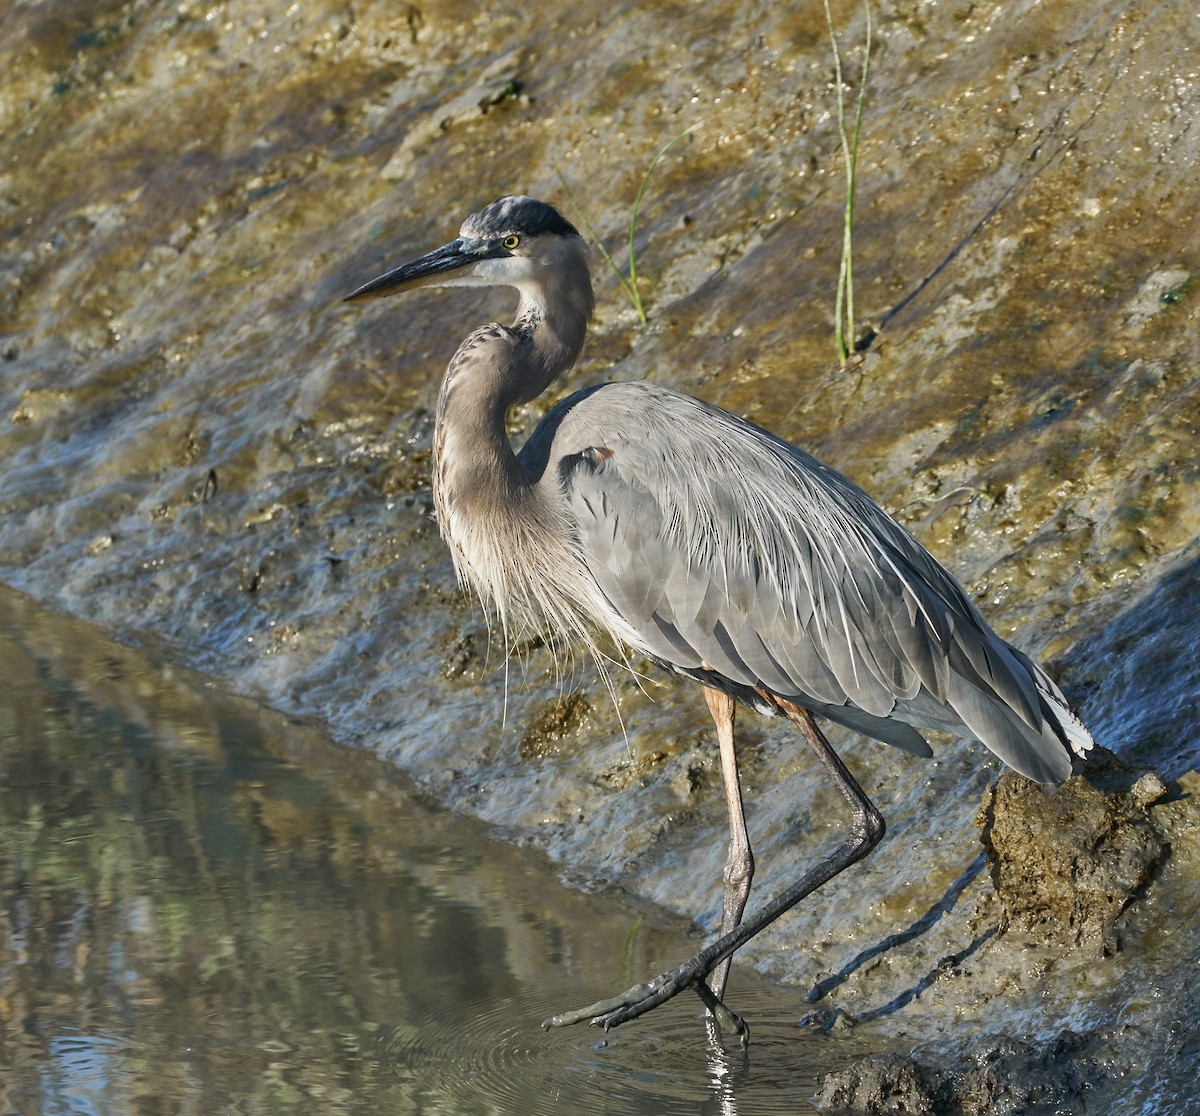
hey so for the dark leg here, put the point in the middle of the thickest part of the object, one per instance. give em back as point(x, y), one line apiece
point(866, 831)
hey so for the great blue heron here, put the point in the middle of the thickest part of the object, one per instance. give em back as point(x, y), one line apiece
point(711, 546)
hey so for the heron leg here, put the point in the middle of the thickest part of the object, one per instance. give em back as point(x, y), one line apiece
point(866, 831)
point(739, 865)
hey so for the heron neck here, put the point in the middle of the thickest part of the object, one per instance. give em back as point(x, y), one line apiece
point(473, 459)
point(475, 471)
point(550, 340)
point(494, 370)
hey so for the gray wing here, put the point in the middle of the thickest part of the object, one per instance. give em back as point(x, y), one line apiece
point(722, 548)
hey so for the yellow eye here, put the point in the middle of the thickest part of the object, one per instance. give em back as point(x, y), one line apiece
point(511, 241)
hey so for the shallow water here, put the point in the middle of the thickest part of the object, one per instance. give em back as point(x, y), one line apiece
point(207, 907)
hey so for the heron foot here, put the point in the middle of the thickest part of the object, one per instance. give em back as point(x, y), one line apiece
point(722, 1019)
point(615, 1010)
point(641, 998)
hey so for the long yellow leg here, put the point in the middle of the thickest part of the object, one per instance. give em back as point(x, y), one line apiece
point(739, 865)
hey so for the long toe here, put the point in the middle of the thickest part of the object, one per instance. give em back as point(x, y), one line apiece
point(613, 1011)
point(632, 1003)
point(727, 1022)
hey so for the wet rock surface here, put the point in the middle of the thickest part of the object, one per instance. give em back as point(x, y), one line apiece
point(1065, 865)
point(203, 451)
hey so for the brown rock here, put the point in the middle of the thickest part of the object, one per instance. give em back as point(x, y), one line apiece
point(1067, 861)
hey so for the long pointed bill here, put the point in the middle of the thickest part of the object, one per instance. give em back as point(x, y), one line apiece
point(422, 272)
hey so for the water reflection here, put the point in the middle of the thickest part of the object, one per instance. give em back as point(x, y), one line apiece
point(206, 907)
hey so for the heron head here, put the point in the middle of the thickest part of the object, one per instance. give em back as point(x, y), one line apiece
point(508, 243)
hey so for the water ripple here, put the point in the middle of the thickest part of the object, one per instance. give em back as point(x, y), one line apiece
point(665, 1064)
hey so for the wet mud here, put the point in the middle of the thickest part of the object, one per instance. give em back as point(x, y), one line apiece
point(203, 451)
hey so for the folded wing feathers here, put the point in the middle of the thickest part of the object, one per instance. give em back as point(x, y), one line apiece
point(815, 595)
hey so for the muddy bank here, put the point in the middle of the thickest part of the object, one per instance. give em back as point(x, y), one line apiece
point(204, 451)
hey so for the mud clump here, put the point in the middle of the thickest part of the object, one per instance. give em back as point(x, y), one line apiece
point(1066, 862)
point(996, 1075)
point(462, 657)
point(879, 1083)
point(553, 722)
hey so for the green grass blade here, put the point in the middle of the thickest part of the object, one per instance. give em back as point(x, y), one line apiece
point(637, 204)
point(843, 330)
point(628, 284)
